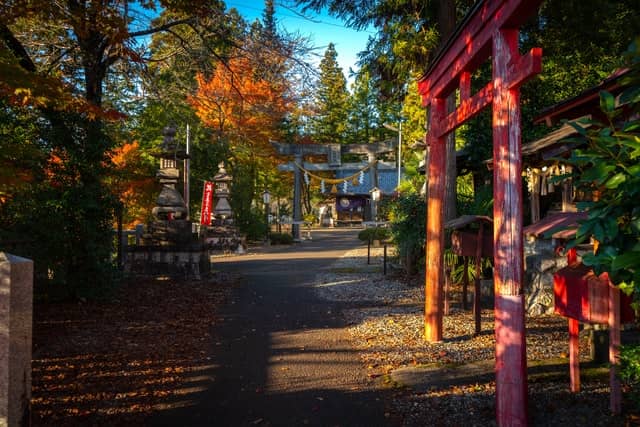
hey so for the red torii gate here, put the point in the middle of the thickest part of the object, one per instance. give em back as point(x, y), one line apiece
point(489, 31)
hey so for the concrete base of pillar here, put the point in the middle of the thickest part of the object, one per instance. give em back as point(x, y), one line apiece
point(16, 314)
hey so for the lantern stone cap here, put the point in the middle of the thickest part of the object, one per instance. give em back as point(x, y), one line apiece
point(222, 174)
point(169, 149)
point(168, 173)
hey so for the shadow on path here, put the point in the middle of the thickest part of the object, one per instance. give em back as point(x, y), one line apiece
point(280, 355)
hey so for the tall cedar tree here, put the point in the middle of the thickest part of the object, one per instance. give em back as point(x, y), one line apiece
point(362, 109)
point(330, 122)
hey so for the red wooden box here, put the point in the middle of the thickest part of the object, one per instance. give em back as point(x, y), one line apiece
point(464, 242)
point(583, 296)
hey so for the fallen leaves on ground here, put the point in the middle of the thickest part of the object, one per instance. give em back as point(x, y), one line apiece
point(114, 362)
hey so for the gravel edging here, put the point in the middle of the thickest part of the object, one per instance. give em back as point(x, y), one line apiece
point(386, 325)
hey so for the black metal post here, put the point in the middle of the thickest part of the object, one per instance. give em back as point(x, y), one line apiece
point(119, 255)
point(384, 260)
point(369, 251)
point(266, 218)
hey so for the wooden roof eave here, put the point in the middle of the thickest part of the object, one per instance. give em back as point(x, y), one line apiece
point(583, 100)
point(545, 145)
point(554, 137)
point(466, 220)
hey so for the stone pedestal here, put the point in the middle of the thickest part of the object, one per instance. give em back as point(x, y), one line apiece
point(187, 261)
point(16, 307)
point(169, 233)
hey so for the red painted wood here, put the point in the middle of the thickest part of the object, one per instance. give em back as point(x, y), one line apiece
point(473, 45)
point(614, 347)
point(482, 37)
point(581, 295)
point(435, 228)
point(511, 375)
point(477, 310)
point(465, 243)
point(462, 55)
point(574, 355)
point(511, 367)
point(465, 283)
point(526, 66)
point(468, 109)
point(465, 86)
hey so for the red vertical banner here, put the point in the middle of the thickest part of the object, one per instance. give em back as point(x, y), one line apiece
point(207, 196)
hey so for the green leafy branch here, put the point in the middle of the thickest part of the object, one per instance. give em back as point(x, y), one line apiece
point(607, 165)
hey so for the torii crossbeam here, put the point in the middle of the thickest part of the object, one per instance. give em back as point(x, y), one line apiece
point(489, 31)
point(334, 153)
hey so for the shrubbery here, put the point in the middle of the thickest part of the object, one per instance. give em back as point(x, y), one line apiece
point(374, 233)
point(280, 238)
point(408, 216)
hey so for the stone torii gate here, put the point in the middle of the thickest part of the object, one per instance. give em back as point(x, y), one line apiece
point(334, 154)
point(489, 31)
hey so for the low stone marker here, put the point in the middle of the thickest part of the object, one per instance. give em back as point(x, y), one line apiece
point(16, 306)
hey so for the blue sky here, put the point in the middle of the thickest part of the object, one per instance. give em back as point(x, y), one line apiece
point(321, 29)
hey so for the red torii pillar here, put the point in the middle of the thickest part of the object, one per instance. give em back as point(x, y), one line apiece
point(490, 30)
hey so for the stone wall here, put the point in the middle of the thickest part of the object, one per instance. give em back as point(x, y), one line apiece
point(185, 262)
point(541, 262)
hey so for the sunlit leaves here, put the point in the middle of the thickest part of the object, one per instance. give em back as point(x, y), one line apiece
point(131, 180)
point(607, 102)
point(236, 103)
point(607, 166)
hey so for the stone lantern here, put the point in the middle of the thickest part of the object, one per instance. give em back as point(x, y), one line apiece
point(223, 236)
point(170, 204)
point(169, 246)
point(170, 225)
point(222, 191)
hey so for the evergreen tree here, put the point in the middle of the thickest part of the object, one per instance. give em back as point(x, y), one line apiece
point(330, 121)
point(269, 20)
point(362, 110)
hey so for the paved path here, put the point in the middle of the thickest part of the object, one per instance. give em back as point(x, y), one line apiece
point(282, 356)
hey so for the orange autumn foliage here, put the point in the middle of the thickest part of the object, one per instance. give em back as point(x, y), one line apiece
point(56, 168)
point(237, 103)
point(132, 182)
point(23, 88)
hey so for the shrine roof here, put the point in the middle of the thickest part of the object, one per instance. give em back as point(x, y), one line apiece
point(551, 138)
point(387, 182)
point(561, 225)
point(586, 102)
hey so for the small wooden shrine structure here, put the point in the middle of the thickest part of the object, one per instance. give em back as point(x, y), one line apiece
point(469, 243)
point(489, 32)
point(582, 296)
